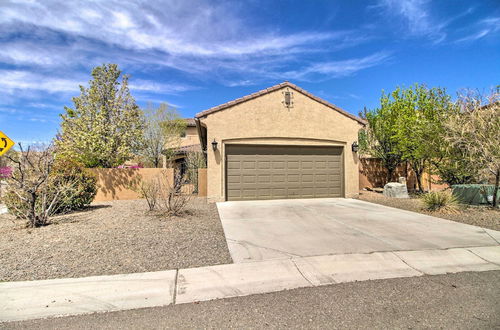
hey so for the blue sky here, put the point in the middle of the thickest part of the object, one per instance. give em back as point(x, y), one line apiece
point(197, 54)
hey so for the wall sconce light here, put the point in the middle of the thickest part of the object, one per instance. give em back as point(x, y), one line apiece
point(355, 146)
point(214, 145)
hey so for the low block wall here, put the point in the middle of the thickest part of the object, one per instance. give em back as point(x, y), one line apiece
point(372, 175)
point(202, 182)
point(116, 183)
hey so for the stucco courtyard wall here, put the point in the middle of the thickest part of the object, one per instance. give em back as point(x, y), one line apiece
point(116, 183)
point(265, 120)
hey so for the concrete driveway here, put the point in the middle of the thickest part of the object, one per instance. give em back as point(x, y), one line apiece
point(262, 230)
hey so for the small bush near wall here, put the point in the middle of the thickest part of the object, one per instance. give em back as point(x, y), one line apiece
point(84, 184)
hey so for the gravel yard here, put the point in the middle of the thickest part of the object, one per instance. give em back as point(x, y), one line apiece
point(477, 216)
point(112, 238)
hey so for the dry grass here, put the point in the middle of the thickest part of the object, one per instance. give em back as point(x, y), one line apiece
point(112, 238)
point(478, 216)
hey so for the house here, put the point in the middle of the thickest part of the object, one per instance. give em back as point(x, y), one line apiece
point(281, 142)
point(188, 142)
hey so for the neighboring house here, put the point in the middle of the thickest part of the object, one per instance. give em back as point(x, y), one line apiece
point(189, 141)
point(281, 142)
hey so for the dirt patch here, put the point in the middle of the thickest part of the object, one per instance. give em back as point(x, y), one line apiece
point(477, 216)
point(112, 238)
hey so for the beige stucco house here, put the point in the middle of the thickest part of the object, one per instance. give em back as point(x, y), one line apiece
point(281, 142)
point(189, 141)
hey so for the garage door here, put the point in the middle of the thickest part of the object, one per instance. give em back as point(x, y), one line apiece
point(278, 172)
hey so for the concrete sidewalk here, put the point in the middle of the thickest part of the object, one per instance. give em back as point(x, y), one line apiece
point(60, 297)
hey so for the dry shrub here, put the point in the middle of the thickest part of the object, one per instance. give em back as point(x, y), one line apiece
point(162, 196)
point(172, 200)
point(440, 201)
point(149, 190)
point(34, 194)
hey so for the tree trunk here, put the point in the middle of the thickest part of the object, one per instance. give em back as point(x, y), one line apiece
point(390, 172)
point(418, 168)
point(495, 191)
point(32, 217)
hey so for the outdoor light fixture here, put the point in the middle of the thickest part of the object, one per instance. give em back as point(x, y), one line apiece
point(214, 145)
point(355, 146)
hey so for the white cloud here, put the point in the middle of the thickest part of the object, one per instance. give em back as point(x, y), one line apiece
point(417, 17)
point(13, 81)
point(172, 27)
point(158, 88)
point(341, 68)
point(482, 29)
point(201, 38)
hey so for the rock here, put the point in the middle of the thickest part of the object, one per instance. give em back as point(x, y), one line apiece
point(396, 190)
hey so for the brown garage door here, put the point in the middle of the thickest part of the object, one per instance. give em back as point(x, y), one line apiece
point(274, 172)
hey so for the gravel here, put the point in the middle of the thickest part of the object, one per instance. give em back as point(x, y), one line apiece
point(472, 215)
point(112, 238)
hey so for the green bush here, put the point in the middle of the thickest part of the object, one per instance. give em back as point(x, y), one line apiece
point(84, 184)
point(440, 201)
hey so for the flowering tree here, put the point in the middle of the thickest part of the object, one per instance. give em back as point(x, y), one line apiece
point(105, 126)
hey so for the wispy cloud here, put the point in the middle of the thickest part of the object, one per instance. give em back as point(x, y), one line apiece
point(13, 81)
point(417, 17)
point(217, 39)
point(159, 88)
point(341, 68)
point(483, 28)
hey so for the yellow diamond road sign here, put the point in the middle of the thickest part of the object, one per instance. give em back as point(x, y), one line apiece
point(5, 143)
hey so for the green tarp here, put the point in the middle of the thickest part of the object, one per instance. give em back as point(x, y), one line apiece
point(474, 194)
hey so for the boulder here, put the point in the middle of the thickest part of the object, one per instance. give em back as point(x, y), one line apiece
point(396, 190)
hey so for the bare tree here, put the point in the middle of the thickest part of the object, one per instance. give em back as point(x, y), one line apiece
point(162, 134)
point(30, 194)
point(476, 131)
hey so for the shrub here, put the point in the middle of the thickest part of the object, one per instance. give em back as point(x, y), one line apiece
point(33, 194)
point(162, 196)
point(5, 172)
point(172, 201)
point(149, 190)
point(84, 184)
point(440, 201)
point(40, 186)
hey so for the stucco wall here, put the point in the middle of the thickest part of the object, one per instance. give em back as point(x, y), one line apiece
point(116, 183)
point(190, 138)
point(265, 120)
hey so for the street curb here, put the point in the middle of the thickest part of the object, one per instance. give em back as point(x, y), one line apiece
point(72, 296)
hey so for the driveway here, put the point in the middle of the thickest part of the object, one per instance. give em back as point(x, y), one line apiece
point(262, 230)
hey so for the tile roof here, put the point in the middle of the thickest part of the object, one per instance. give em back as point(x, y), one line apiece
point(190, 122)
point(275, 88)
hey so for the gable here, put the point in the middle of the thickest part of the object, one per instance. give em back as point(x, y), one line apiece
point(271, 90)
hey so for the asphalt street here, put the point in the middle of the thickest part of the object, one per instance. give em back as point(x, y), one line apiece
point(452, 301)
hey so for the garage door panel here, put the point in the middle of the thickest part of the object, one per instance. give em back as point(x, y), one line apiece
point(274, 172)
